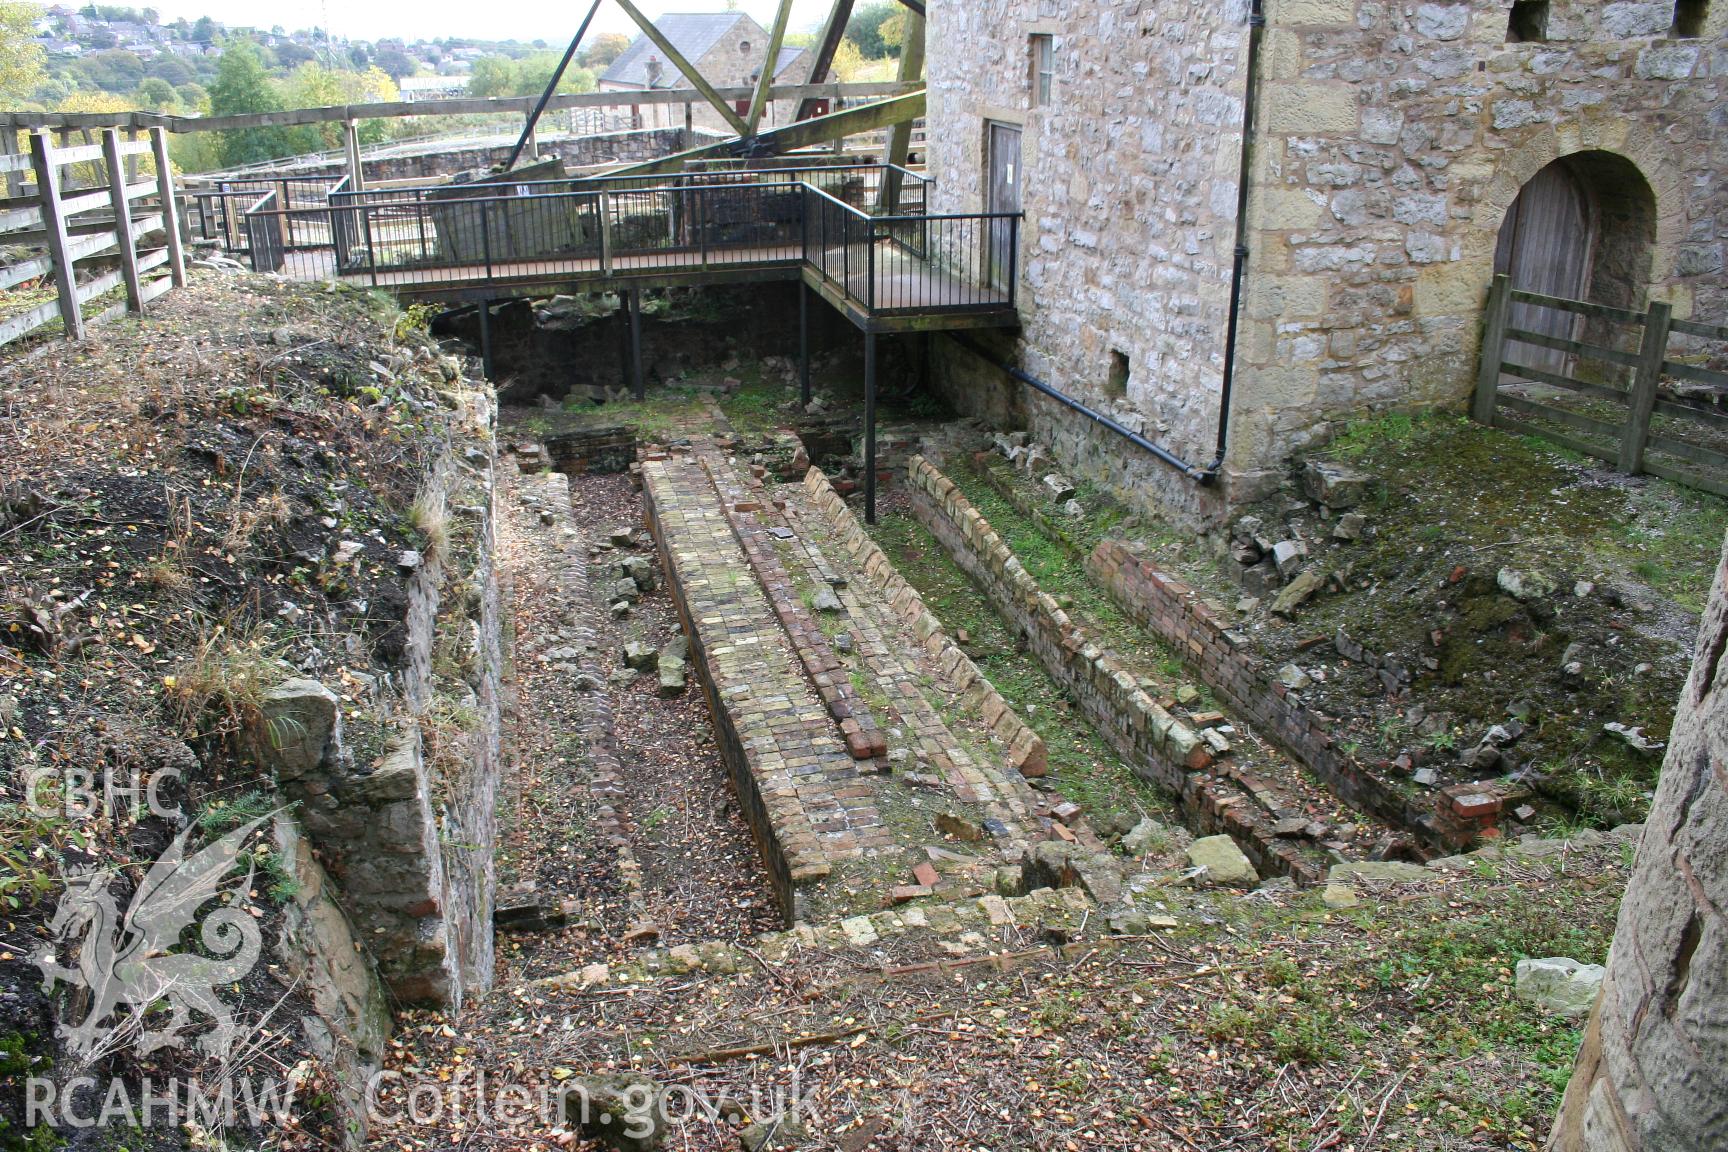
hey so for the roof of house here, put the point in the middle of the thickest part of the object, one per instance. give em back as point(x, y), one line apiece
point(693, 34)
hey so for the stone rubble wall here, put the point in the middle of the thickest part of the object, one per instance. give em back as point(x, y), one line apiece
point(1224, 661)
point(1390, 140)
point(1024, 747)
point(321, 952)
point(409, 840)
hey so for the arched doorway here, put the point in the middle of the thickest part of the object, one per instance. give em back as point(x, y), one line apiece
point(1583, 229)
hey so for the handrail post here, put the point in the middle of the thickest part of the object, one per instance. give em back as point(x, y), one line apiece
point(1493, 351)
point(371, 248)
point(54, 226)
point(122, 219)
point(870, 265)
point(604, 200)
point(170, 206)
point(1013, 257)
point(486, 238)
point(1641, 402)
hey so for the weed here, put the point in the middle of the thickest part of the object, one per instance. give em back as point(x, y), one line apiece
point(30, 851)
point(221, 685)
point(1359, 436)
point(428, 518)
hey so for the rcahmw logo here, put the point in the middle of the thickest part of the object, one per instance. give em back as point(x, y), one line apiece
point(130, 961)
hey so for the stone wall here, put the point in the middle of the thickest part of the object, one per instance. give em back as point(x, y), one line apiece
point(1389, 142)
point(408, 837)
point(1223, 660)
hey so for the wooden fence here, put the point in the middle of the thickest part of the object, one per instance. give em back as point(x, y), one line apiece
point(1612, 414)
point(69, 225)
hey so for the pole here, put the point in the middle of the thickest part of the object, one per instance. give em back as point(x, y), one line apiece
point(551, 87)
point(869, 427)
point(122, 219)
point(803, 344)
point(638, 384)
point(170, 207)
point(351, 144)
point(486, 338)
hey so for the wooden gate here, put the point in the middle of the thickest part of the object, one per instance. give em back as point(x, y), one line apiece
point(1002, 194)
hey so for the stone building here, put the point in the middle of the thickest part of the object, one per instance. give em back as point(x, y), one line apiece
point(727, 48)
point(1388, 149)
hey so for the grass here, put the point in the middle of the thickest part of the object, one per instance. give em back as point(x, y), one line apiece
point(1084, 768)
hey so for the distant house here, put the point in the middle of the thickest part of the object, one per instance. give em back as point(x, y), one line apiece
point(415, 88)
point(727, 48)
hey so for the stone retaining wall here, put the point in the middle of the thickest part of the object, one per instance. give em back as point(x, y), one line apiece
point(1025, 747)
point(608, 449)
point(409, 839)
point(1223, 660)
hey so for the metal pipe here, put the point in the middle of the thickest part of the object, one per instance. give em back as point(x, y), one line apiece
point(1239, 264)
point(551, 87)
point(1192, 471)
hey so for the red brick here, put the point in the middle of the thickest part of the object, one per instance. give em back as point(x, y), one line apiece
point(927, 875)
point(901, 893)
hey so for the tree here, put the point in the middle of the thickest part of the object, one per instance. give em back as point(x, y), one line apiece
point(21, 57)
point(1652, 1073)
point(241, 86)
point(156, 94)
point(870, 27)
point(170, 68)
point(396, 63)
point(112, 71)
point(533, 73)
point(493, 76)
point(605, 48)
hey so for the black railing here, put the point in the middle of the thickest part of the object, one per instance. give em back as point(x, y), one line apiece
point(220, 211)
point(863, 228)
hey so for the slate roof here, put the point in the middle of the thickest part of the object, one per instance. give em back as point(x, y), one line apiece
point(693, 34)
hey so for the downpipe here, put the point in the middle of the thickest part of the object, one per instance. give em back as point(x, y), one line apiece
point(1239, 261)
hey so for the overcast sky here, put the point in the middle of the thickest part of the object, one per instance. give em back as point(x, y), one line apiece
point(487, 19)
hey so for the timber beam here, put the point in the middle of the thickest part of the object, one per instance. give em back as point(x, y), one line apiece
point(800, 134)
point(765, 79)
point(832, 33)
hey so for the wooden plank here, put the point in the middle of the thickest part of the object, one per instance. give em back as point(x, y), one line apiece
point(27, 322)
point(1520, 428)
point(170, 206)
point(81, 154)
point(78, 205)
point(801, 134)
point(684, 66)
point(1699, 328)
point(17, 218)
point(14, 162)
point(765, 79)
point(16, 274)
point(1541, 376)
point(1642, 400)
point(91, 289)
point(1693, 372)
point(56, 240)
point(1712, 484)
point(1688, 412)
point(1575, 420)
point(1582, 307)
point(1493, 350)
point(1687, 450)
point(1578, 347)
point(135, 148)
point(122, 219)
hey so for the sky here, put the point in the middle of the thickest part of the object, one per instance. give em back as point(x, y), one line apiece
point(484, 19)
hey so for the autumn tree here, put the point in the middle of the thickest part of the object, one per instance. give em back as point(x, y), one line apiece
point(21, 58)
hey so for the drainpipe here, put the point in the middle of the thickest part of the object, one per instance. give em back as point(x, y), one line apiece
point(1239, 266)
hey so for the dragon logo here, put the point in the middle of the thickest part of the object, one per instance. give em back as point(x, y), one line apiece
point(129, 961)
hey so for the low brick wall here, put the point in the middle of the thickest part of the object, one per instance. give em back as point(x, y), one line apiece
point(1223, 660)
point(605, 449)
point(1159, 747)
point(1025, 747)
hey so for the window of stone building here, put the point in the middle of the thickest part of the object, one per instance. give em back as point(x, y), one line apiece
point(743, 47)
point(1043, 68)
point(1528, 23)
point(1689, 17)
point(1116, 384)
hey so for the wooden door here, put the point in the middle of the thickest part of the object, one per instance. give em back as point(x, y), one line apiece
point(1002, 194)
point(1545, 245)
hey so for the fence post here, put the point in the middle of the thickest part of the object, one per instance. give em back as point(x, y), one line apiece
point(9, 147)
point(1641, 402)
point(1493, 350)
point(54, 227)
point(170, 206)
point(122, 219)
point(351, 142)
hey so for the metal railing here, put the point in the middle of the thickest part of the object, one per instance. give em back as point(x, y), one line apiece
point(219, 212)
point(864, 228)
